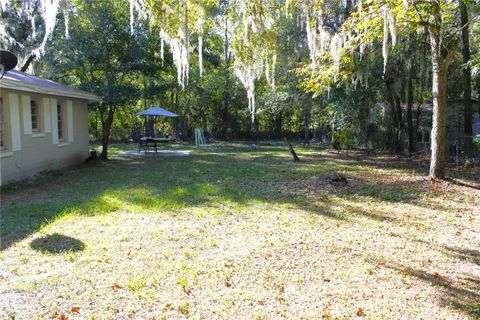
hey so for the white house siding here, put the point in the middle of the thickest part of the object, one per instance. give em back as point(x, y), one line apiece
point(35, 152)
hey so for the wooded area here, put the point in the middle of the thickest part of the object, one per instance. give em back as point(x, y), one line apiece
point(400, 76)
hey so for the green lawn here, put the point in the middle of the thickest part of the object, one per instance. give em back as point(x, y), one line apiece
point(241, 232)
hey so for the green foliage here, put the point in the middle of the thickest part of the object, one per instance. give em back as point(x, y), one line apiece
point(103, 56)
point(273, 101)
point(477, 140)
point(343, 138)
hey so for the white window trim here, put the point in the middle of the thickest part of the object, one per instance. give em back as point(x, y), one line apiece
point(38, 134)
point(61, 128)
point(69, 128)
point(53, 118)
point(47, 125)
point(39, 115)
point(6, 153)
point(14, 114)
point(6, 148)
point(27, 116)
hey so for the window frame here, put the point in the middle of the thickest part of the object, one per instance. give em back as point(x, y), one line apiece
point(37, 115)
point(61, 123)
point(5, 143)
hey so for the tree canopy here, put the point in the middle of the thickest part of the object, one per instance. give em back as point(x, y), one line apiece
point(362, 69)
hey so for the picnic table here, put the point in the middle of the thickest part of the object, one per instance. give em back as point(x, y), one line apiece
point(147, 143)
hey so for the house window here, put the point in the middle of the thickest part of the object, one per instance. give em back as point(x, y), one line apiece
point(35, 111)
point(3, 127)
point(60, 123)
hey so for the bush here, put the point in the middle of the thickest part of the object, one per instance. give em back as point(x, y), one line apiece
point(343, 138)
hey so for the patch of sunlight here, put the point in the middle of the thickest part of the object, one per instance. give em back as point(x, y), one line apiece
point(180, 191)
point(142, 199)
point(206, 189)
point(106, 203)
point(202, 161)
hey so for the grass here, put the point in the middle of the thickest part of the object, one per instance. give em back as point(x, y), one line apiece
point(241, 232)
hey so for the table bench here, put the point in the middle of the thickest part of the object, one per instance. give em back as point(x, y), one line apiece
point(147, 143)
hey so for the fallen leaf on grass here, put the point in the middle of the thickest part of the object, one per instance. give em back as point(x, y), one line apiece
point(326, 315)
point(55, 315)
point(426, 262)
point(229, 263)
point(360, 313)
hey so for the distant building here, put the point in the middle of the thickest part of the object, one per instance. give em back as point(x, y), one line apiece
point(44, 125)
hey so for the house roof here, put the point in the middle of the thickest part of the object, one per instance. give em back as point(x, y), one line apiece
point(22, 81)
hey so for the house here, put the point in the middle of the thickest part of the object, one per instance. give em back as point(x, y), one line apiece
point(44, 125)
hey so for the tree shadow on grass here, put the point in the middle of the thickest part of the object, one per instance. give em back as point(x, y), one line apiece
point(463, 254)
point(154, 185)
point(472, 255)
point(419, 165)
point(57, 243)
point(463, 184)
point(166, 184)
point(464, 297)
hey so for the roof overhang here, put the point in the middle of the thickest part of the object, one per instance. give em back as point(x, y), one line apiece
point(15, 84)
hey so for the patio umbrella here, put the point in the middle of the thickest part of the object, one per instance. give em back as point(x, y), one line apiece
point(157, 111)
point(154, 112)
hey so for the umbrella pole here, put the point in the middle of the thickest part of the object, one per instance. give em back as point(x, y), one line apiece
point(145, 126)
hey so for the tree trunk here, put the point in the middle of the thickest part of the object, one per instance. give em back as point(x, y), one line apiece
point(144, 92)
point(278, 124)
point(409, 100)
point(27, 63)
point(467, 80)
point(306, 123)
point(418, 113)
point(392, 133)
point(96, 125)
point(399, 122)
point(226, 90)
point(106, 128)
point(292, 152)
point(439, 94)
